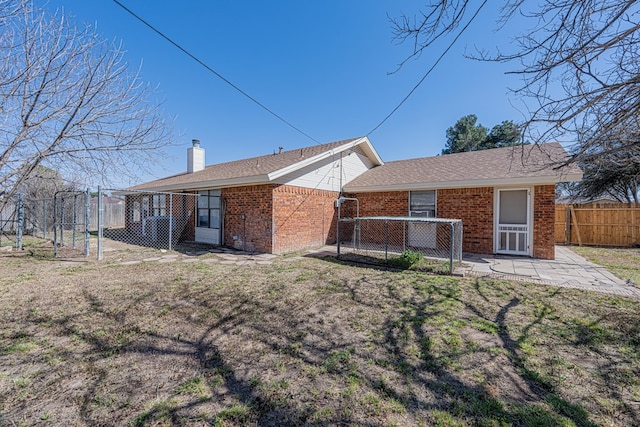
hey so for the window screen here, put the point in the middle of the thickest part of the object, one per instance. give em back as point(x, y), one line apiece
point(422, 203)
point(513, 207)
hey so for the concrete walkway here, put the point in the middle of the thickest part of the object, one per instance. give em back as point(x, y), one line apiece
point(568, 270)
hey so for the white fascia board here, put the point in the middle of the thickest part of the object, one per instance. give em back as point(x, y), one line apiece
point(367, 148)
point(527, 181)
point(371, 152)
point(233, 182)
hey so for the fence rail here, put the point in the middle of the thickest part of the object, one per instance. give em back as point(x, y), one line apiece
point(385, 237)
point(598, 224)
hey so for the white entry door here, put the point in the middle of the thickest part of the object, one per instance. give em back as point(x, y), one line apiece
point(513, 229)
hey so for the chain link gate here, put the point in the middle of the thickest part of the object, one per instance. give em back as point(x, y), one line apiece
point(71, 210)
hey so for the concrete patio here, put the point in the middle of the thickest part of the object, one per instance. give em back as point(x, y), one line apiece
point(568, 270)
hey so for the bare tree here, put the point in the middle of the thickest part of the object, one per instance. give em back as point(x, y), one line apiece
point(580, 64)
point(68, 101)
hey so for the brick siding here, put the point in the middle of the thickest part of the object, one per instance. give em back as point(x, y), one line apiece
point(282, 218)
point(248, 217)
point(474, 206)
point(303, 218)
point(385, 203)
point(544, 211)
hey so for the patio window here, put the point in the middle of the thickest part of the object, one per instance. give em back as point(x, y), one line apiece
point(209, 209)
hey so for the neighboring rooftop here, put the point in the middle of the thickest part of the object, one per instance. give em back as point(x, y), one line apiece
point(528, 164)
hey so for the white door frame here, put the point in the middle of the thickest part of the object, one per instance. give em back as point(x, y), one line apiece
point(496, 222)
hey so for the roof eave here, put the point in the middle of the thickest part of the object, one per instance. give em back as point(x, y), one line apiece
point(215, 183)
point(537, 180)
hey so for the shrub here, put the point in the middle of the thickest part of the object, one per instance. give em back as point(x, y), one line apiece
point(407, 259)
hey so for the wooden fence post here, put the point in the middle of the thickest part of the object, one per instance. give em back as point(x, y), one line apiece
point(567, 225)
point(575, 223)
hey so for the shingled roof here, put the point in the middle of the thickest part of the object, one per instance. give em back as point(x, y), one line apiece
point(256, 170)
point(522, 165)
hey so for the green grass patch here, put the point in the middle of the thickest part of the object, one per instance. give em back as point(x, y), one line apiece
point(623, 262)
point(196, 387)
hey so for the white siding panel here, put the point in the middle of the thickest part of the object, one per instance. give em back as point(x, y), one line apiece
point(325, 175)
point(208, 235)
point(354, 165)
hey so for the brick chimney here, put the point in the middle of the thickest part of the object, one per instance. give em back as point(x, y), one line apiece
point(195, 157)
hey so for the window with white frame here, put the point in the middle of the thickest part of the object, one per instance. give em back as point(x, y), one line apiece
point(422, 203)
point(209, 209)
point(159, 205)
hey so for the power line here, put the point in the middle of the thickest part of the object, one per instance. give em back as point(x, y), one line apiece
point(214, 72)
point(430, 69)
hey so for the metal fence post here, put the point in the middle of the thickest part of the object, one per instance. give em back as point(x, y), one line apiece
point(170, 219)
point(62, 221)
point(451, 244)
point(75, 220)
point(55, 226)
point(338, 231)
point(99, 223)
point(20, 222)
point(44, 218)
point(87, 221)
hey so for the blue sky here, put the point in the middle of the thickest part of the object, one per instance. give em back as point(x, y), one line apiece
point(323, 66)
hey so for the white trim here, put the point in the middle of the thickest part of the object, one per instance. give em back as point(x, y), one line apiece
point(367, 148)
point(212, 236)
point(269, 178)
point(496, 214)
point(443, 185)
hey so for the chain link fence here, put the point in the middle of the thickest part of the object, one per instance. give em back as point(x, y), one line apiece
point(11, 223)
point(72, 222)
point(384, 238)
point(71, 210)
point(150, 219)
point(39, 218)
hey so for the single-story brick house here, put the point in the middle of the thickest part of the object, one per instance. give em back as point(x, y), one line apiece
point(276, 203)
point(285, 201)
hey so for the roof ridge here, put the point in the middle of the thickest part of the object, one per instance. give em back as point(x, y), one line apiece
point(287, 152)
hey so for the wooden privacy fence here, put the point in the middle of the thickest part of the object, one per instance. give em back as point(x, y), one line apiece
point(113, 216)
point(598, 224)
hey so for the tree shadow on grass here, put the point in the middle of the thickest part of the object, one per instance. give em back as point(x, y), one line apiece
point(373, 348)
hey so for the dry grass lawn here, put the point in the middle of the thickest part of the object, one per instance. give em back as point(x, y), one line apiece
point(305, 341)
point(623, 262)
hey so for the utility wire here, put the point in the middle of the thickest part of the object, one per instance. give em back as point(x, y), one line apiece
point(429, 70)
point(220, 76)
